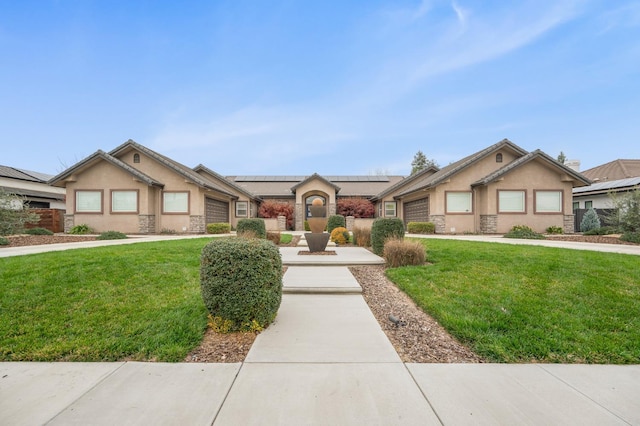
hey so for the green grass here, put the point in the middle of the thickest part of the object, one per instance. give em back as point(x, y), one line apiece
point(514, 303)
point(286, 238)
point(130, 302)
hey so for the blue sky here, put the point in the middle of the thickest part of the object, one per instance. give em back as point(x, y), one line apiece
point(334, 87)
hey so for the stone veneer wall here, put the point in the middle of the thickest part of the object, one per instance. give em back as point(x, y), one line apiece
point(68, 223)
point(282, 223)
point(147, 223)
point(197, 224)
point(299, 212)
point(488, 223)
point(568, 224)
point(439, 221)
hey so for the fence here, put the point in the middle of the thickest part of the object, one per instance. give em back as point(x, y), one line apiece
point(579, 214)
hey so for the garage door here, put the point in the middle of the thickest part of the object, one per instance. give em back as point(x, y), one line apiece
point(416, 211)
point(217, 211)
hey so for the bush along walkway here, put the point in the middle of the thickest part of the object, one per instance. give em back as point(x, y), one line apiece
point(324, 360)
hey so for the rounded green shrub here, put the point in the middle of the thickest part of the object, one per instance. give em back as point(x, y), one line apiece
point(383, 229)
point(252, 226)
point(112, 235)
point(241, 282)
point(340, 235)
point(335, 221)
point(555, 230)
point(218, 228)
point(421, 228)
point(4, 241)
point(38, 231)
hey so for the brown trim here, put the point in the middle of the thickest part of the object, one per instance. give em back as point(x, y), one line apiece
point(75, 201)
point(137, 210)
point(446, 207)
point(236, 208)
point(511, 190)
point(535, 201)
point(384, 208)
point(188, 212)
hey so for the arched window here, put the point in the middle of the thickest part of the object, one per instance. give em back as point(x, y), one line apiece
point(499, 157)
point(136, 158)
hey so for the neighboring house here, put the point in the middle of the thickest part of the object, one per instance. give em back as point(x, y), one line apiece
point(613, 170)
point(33, 187)
point(614, 177)
point(134, 189)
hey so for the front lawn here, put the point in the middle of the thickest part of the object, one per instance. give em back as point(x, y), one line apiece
point(136, 302)
point(531, 304)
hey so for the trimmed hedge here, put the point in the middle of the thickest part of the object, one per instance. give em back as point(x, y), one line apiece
point(421, 228)
point(218, 228)
point(383, 229)
point(335, 221)
point(241, 283)
point(252, 226)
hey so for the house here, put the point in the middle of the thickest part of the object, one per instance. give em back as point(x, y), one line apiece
point(136, 190)
point(614, 177)
point(33, 187)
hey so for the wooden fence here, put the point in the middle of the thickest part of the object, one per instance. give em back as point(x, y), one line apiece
point(579, 214)
point(51, 219)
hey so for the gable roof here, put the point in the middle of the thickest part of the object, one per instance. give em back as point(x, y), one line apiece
point(537, 154)
point(26, 175)
point(614, 170)
point(181, 169)
point(313, 177)
point(414, 178)
point(201, 167)
point(453, 168)
point(100, 155)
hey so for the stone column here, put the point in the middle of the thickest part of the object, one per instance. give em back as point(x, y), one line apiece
point(68, 223)
point(147, 223)
point(299, 217)
point(439, 221)
point(197, 224)
point(488, 223)
point(351, 221)
point(568, 224)
point(282, 223)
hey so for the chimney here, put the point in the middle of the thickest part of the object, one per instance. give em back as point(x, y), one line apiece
point(573, 164)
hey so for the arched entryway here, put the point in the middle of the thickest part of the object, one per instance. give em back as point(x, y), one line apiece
point(309, 200)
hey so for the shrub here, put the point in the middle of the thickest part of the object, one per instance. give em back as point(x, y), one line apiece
point(306, 226)
point(590, 221)
point(335, 221)
point(38, 231)
point(627, 213)
point(112, 235)
point(603, 230)
point(167, 231)
point(383, 229)
point(255, 226)
point(241, 282)
point(403, 253)
point(4, 241)
point(274, 237)
point(421, 228)
point(555, 230)
point(80, 229)
point(362, 237)
point(218, 228)
point(340, 235)
point(272, 209)
point(524, 232)
point(356, 207)
point(14, 213)
point(632, 237)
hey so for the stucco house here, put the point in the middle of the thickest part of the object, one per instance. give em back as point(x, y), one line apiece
point(614, 177)
point(134, 189)
point(33, 187)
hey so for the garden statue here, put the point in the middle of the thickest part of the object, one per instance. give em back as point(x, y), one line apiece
point(317, 239)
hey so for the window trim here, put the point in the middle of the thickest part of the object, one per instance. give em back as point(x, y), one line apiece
point(136, 211)
point(590, 204)
point(536, 192)
point(499, 157)
point(524, 201)
point(188, 211)
point(136, 158)
point(395, 208)
point(80, 191)
point(446, 202)
point(246, 208)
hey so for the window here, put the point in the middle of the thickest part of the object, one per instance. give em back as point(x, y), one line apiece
point(458, 202)
point(136, 158)
point(88, 201)
point(576, 205)
point(175, 202)
point(548, 201)
point(380, 209)
point(124, 201)
point(511, 202)
point(499, 157)
point(588, 205)
point(390, 209)
point(241, 209)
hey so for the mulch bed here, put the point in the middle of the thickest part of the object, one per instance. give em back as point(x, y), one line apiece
point(317, 253)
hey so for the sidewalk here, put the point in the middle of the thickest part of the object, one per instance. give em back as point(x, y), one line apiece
point(324, 360)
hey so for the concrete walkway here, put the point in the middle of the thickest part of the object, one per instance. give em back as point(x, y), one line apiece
point(324, 361)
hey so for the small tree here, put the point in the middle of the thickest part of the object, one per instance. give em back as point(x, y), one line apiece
point(420, 162)
point(14, 213)
point(356, 207)
point(562, 158)
point(627, 213)
point(590, 221)
point(272, 209)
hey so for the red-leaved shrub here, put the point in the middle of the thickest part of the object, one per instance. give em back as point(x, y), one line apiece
point(272, 209)
point(356, 207)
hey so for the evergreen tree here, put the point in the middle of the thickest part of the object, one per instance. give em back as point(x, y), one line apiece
point(562, 158)
point(421, 162)
point(590, 221)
